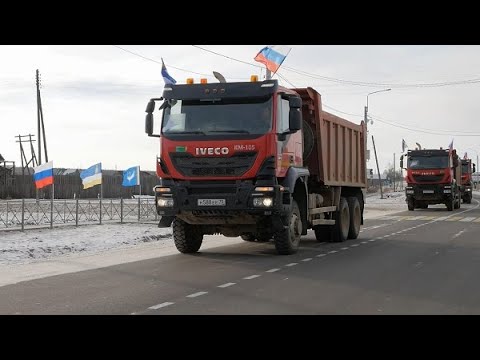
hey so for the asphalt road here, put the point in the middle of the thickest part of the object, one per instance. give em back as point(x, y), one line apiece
point(421, 262)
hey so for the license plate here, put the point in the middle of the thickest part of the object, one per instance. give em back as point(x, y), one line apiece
point(428, 191)
point(211, 202)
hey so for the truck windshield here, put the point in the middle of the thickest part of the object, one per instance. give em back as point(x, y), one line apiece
point(248, 116)
point(428, 162)
point(465, 169)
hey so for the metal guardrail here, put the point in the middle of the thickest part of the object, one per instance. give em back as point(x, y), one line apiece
point(21, 214)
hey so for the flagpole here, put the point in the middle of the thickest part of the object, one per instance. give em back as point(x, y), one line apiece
point(101, 196)
point(139, 182)
point(51, 206)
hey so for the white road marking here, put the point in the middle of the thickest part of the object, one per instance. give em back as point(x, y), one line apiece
point(251, 277)
point(363, 242)
point(292, 264)
point(459, 233)
point(272, 270)
point(307, 259)
point(200, 293)
point(332, 252)
point(344, 248)
point(372, 240)
point(355, 245)
point(226, 285)
point(155, 307)
point(468, 219)
point(321, 255)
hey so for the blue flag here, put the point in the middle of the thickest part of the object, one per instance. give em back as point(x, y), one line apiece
point(166, 76)
point(131, 176)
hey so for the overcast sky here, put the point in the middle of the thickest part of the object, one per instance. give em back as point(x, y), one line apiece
point(94, 97)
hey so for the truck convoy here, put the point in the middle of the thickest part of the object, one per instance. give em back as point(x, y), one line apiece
point(433, 177)
point(256, 160)
point(466, 184)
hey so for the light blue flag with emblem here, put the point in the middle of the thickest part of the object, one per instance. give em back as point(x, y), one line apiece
point(131, 176)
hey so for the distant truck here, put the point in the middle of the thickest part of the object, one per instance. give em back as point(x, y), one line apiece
point(466, 185)
point(433, 177)
point(256, 160)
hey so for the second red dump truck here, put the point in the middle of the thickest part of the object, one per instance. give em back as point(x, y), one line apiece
point(256, 160)
point(466, 184)
point(433, 177)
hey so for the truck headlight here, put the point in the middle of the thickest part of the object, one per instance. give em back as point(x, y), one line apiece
point(469, 189)
point(263, 202)
point(447, 191)
point(410, 191)
point(165, 202)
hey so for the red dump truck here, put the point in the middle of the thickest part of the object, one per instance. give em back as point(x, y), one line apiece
point(256, 160)
point(433, 177)
point(466, 184)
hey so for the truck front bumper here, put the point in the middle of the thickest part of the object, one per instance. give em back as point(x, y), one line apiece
point(430, 193)
point(240, 202)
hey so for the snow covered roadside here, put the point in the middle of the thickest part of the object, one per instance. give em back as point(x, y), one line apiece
point(391, 203)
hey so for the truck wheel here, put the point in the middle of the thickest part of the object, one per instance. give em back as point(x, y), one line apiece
point(411, 204)
point(342, 222)
point(450, 204)
point(323, 232)
point(187, 238)
point(469, 199)
point(355, 217)
point(287, 240)
point(248, 237)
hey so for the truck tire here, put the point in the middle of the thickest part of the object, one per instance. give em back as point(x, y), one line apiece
point(468, 199)
point(411, 204)
point(450, 204)
point(287, 240)
point(342, 222)
point(248, 237)
point(323, 232)
point(187, 238)
point(355, 217)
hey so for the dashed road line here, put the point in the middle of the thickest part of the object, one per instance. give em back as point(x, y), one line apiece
point(344, 248)
point(291, 264)
point(333, 252)
point(226, 285)
point(272, 270)
point(355, 245)
point(159, 306)
point(307, 259)
point(321, 255)
point(251, 277)
point(200, 293)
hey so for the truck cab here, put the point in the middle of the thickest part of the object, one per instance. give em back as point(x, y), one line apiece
point(433, 177)
point(466, 185)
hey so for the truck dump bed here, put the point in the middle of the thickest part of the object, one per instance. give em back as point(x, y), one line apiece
point(337, 155)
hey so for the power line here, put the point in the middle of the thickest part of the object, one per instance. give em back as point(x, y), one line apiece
point(227, 57)
point(352, 82)
point(421, 130)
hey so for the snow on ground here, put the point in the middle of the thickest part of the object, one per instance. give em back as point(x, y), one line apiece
point(34, 245)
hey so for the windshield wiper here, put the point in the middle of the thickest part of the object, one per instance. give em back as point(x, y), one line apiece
point(231, 131)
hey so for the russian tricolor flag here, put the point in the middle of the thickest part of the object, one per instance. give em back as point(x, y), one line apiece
point(43, 175)
point(273, 56)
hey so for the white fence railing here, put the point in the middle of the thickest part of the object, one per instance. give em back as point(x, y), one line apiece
point(25, 213)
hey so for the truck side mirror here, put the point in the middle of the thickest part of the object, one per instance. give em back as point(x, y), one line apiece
point(295, 120)
point(149, 124)
point(474, 168)
point(401, 161)
point(150, 107)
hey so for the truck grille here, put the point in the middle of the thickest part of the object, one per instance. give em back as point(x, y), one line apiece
point(427, 178)
point(236, 165)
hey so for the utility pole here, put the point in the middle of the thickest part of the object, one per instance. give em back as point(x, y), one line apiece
point(40, 123)
point(378, 169)
point(394, 175)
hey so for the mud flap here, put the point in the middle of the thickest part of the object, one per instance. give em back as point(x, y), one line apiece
point(166, 221)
